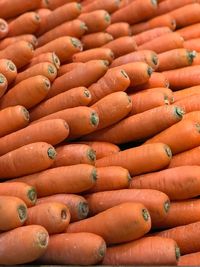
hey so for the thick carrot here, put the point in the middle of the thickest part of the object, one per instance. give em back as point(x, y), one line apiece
point(144, 101)
point(72, 154)
point(64, 47)
point(30, 38)
point(82, 75)
point(4, 28)
point(3, 85)
point(13, 119)
point(23, 244)
point(107, 105)
point(164, 43)
point(190, 103)
point(149, 35)
point(64, 13)
point(81, 120)
point(99, 53)
point(27, 23)
point(68, 179)
point(20, 53)
point(27, 159)
point(69, 67)
point(50, 57)
point(53, 216)
point(111, 178)
point(55, 3)
point(109, 6)
point(75, 28)
point(27, 93)
point(113, 81)
point(10, 8)
point(94, 40)
point(192, 44)
point(192, 259)
point(77, 205)
point(119, 29)
point(96, 21)
point(75, 97)
point(20, 190)
point(122, 45)
point(141, 159)
point(8, 69)
point(146, 56)
point(155, 251)
point(178, 183)
point(135, 12)
point(157, 203)
point(190, 32)
point(13, 212)
point(132, 128)
point(166, 91)
point(165, 20)
point(50, 131)
point(132, 219)
point(185, 236)
point(90, 249)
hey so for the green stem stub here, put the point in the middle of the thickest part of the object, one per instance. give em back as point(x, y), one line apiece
point(11, 65)
point(91, 154)
point(43, 239)
point(177, 253)
point(149, 71)
point(26, 114)
point(102, 251)
point(155, 59)
point(79, 6)
point(94, 119)
point(191, 55)
point(51, 69)
point(87, 93)
point(154, 3)
point(94, 174)
point(22, 212)
point(76, 43)
point(83, 210)
point(32, 195)
point(107, 17)
point(145, 214)
point(179, 112)
point(168, 151)
point(63, 214)
point(166, 206)
point(51, 153)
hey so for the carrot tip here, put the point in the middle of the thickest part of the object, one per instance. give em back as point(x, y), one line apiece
point(124, 74)
point(145, 214)
point(76, 43)
point(51, 69)
point(43, 239)
point(179, 112)
point(155, 59)
point(22, 212)
point(149, 71)
point(154, 2)
point(51, 153)
point(168, 151)
point(26, 114)
point(177, 253)
point(94, 119)
point(32, 195)
point(94, 175)
point(107, 17)
point(56, 60)
point(63, 214)
point(87, 93)
point(91, 154)
point(191, 55)
point(102, 251)
point(166, 206)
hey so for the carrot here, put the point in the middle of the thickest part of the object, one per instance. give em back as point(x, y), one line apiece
point(107, 105)
point(20, 190)
point(77, 205)
point(190, 32)
point(20, 53)
point(4, 28)
point(3, 85)
point(178, 183)
point(64, 47)
point(10, 8)
point(27, 159)
point(132, 128)
point(166, 91)
point(27, 93)
point(109, 6)
point(56, 3)
point(26, 243)
point(75, 28)
point(94, 40)
point(191, 259)
point(196, 60)
point(134, 159)
point(165, 20)
point(8, 69)
point(149, 35)
point(50, 57)
point(119, 29)
point(99, 53)
point(191, 101)
point(13, 119)
point(82, 75)
point(135, 12)
point(144, 101)
point(53, 216)
point(96, 21)
point(13, 212)
point(157, 203)
point(146, 56)
point(30, 38)
point(157, 251)
point(90, 249)
point(68, 67)
point(81, 120)
point(113, 81)
point(124, 3)
point(68, 179)
point(50, 131)
point(195, 115)
point(72, 154)
point(26, 23)
point(122, 45)
point(75, 97)
point(192, 44)
point(43, 13)
point(64, 13)
point(185, 236)
point(111, 178)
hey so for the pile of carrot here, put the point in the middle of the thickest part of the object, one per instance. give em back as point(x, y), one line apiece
point(100, 132)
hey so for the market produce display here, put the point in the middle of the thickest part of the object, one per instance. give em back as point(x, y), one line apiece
point(100, 132)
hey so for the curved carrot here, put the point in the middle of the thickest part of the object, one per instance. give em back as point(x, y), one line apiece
point(8, 69)
point(190, 259)
point(50, 57)
point(119, 29)
point(30, 38)
point(97, 39)
point(109, 6)
point(27, 159)
point(190, 32)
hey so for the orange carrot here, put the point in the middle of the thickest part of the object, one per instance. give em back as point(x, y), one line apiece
point(23, 244)
point(72, 154)
point(27, 93)
point(157, 251)
point(30, 38)
point(56, 3)
point(166, 91)
point(119, 29)
point(109, 6)
point(75, 97)
point(4, 28)
point(8, 69)
point(141, 159)
point(195, 115)
point(190, 103)
point(132, 128)
point(53, 216)
point(27, 159)
point(190, 32)
point(68, 179)
point(68, 67)
point(192, 259)
point(94, 40)
point(90, 249)
point(192, 44)
point(50, 57)
point(76, 204)
point(196, 60)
